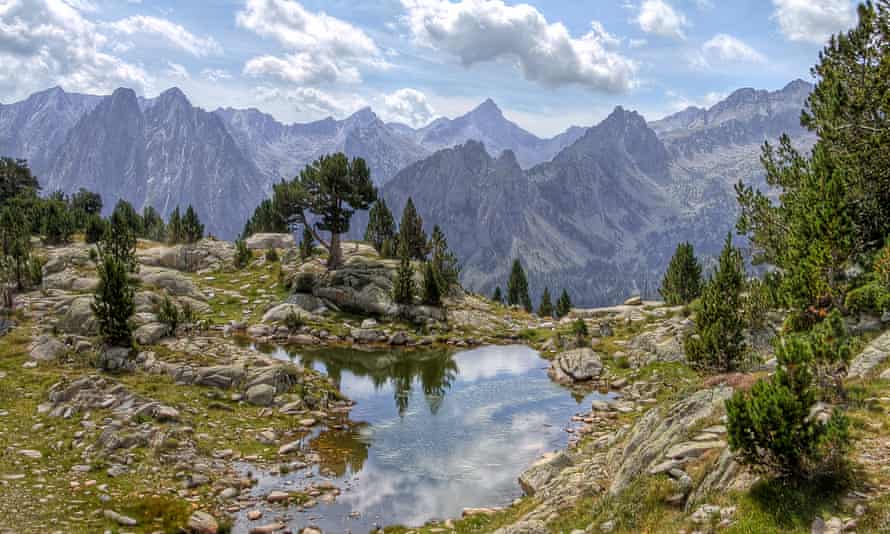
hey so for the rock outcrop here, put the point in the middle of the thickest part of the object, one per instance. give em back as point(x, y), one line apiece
point(577, 365)
point(874, 354)
point(658, 431)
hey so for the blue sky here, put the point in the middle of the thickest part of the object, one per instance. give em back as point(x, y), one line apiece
point(548, 64)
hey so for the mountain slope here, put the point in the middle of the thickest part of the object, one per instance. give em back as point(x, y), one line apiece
point(280, 150)
point(487, 124)
point(161, 152)
point(35, 128)
point(585, 209)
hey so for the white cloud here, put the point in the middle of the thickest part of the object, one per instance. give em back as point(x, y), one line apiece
point(814, 20)
point(727, 48)
point(407, 106)
point(637, 43)
point(320, 48)
point(309, 101)
point(176, 71)
point(169, 31)
point(679, 102)
point(660, 18)
point(215, 75)
point(46, 42)
point(478, 31)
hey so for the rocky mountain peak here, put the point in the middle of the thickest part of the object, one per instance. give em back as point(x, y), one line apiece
point(487, 110)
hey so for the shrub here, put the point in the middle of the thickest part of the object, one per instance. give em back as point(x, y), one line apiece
point(579, 329)
point(243, 255)
point(882, 265)
point(168, 314)
point(188, 315)
point(770, 427)
point(271, 255)
point(35, 270)
point(293, 321)
point(873, 297)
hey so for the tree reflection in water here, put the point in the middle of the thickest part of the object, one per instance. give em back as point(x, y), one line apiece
point(434, 370)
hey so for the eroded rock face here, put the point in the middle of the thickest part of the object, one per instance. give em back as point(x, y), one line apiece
point(279, 314)
point(658, 431)
point(578, 365)
point(543, 471)
point(47, 349)
point(151, 333)
point(267, 241)
point(79, 318)
point(872, 356)
point(205, 255)
point(174, 282)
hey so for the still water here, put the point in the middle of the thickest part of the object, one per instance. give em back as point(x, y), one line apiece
point(441, 432)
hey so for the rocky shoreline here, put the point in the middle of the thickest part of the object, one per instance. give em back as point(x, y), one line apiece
point(177, 434)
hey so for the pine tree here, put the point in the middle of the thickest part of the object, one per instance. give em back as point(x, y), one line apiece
point(771, 428)
point(15, 179)
point(546, 307)
point(192, 229)
point(175, 232)
point(564, 304)
point(381, 224)
point(243, 255)
point(113, 300)
point(265, 219)
point(307, 244)
point(718, 343)
point(517, 288)
point(498, 295)
point(84, 205)
point(444, 261)
point(411, 234)
point(682, 281)
point(834, 204)
point(403, 288)
point(388, 249)
point(332, 188)
point(119, 240)
point(94, 229)
point(432, 289)
point(153, 224)
point(15, 247)
point(58, 222)
point(127, 215)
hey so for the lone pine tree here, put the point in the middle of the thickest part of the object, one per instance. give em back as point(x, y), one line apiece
point(682, 281)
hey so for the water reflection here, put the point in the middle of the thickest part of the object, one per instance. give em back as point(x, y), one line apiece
point(442, 431)
point(434, 371)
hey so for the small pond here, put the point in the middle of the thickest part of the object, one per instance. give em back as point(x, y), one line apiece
point(442, 431)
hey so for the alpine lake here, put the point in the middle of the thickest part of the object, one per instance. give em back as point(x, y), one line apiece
point(432, 432)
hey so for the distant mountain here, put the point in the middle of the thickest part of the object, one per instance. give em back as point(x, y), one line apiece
point(280, 150)
point(487, 124)
point(597, 211)
point(165, 152)
point(582, 212)
point(35, 128)
point(603, 217)
point(161, 152)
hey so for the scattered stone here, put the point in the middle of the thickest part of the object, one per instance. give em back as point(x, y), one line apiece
point(120, 519)
point(260, 395)
point(577, 365)
point(254, 515)
point(32, 454)
point(47, 349)
point(267, 529)
point(634, 301)
point(203, 523)
point(277, 496)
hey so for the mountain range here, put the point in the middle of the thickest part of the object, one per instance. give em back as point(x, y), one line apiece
point(597, 211)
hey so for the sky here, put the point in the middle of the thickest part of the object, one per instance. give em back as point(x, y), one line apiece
point(548, 64)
